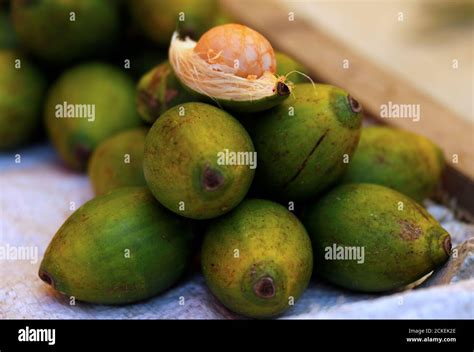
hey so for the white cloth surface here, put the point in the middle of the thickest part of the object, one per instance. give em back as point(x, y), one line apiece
point(38, 194)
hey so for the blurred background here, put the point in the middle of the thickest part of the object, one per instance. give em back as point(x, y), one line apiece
point(408, 51)
point(416, 39)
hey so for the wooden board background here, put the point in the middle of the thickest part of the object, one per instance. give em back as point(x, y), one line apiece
point(372, 85)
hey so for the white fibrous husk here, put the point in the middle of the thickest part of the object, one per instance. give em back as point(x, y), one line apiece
point(214, 80)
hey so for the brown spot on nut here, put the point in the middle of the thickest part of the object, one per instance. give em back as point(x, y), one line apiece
point(264, 287)
point(46, 277)
point(409, 231)
point(211, 179)
point(354, 104)
point(447, 245)
point(283, 89)
point(82, 153)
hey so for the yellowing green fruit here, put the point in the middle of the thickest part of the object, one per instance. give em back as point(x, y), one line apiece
point(223, 17)
point(62, 31)
point(118, 162)
point(118, 248)
point(401, 241)
point(286, 64)
point(159, 19)
point(22, 88)
point(398, 159)
point(257, 260)
point(158, 91)
point(303, 143)
point(85, 106)
point(185, 164)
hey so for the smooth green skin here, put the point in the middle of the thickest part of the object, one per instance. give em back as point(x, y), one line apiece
point(398, 159)
point(241, 106)
point(286, 64)
point(299, 156)
point(254, 105)
point(108, 169)
point(272, 243)
point(118, 248)
point(113, 94)
point(21, 96)
point(223, 17)
point(159, 19)
point(159, 90)
point(400, 246)
point(44, 27)
point(8, 39)
point(178, 149)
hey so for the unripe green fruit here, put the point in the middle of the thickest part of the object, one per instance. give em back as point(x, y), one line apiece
point(304, 144)
point(257, 260)
point(400, 241)
point(398, 159)
point(286, 64)
point(118, 162)
point(61, 31)
point(158, 91)
point(185, 161)
point(85, 106)
point(22, 88)
point(118, 248)
point(159, 19)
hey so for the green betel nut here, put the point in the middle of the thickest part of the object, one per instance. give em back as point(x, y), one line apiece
point(257, 260)
point(401, 160)
point(118, 162)
point(61, 31)
point(371, 238)
point(22, 88)
point(158, 91)
point(118, 248)
point(199, 161)
point(159, 19)
point(303, 145)
point(289, 67)
point(85, 106)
